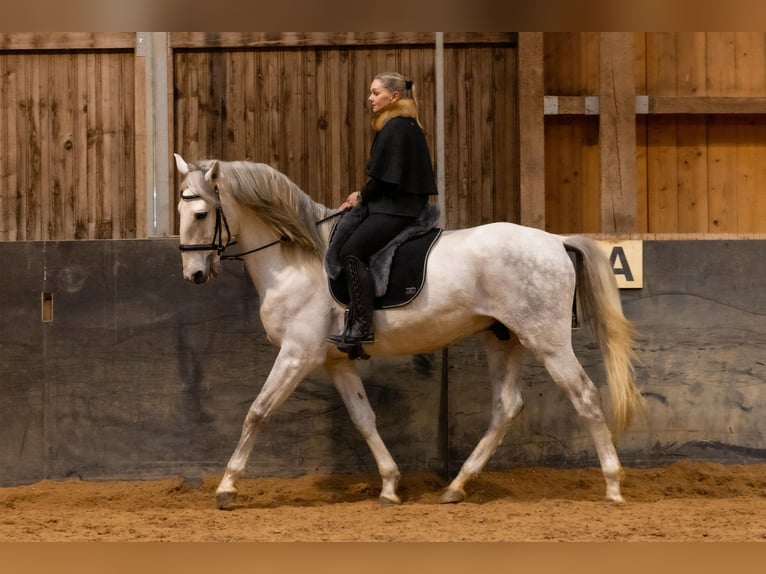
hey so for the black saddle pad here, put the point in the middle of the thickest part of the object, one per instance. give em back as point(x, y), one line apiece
point(407, 276)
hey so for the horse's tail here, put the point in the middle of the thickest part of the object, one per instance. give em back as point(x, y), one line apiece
point(599, 299)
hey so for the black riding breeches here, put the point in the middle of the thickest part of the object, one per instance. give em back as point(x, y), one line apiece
point(373, 234)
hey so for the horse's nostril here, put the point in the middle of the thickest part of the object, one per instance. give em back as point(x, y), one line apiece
point(198, 277)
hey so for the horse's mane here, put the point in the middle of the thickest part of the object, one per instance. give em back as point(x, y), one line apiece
point(277, 200)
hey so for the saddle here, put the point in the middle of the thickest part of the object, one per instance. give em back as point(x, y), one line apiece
point(399, 269)
point(406, 276)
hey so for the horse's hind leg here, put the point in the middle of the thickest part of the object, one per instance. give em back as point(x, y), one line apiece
point(504, 359)
point(566, 370)
point(346, 379)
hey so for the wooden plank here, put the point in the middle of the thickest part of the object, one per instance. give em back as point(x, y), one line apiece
point(590, 49)
point(722, 164)
point(692, 133)
point(36, 201)
point(691, 81)
point(750, 54)
point(639, 61)
point(452, 92)
point(640, 66)
point(692, 174)
point(80, 139)
point(291, 98)
point(335, 112)
point(8, 143)
point(617, 134)
point(531, 130)
point(142, 196)
point(360, 124)
point(234, 97)
point(332, 39)
point(590, 150)
point(15, 177)
point(94, 151)
point(642, 216)
point(563, 174)
point(691, 72)
point(662, 180)
point(465, 135)
point(4, 145)
point(662, 164)
point(249, 89)
point(128, 159)
point(62, 114)
point(707, 105)
point(505, 138)
point(485, 116)
point(67, 41)
point(49, 190)
point(109, 193)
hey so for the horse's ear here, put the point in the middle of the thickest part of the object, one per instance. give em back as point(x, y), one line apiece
point(213, 173)
point(183, 167)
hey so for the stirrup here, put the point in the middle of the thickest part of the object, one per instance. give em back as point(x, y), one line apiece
point(343, 340)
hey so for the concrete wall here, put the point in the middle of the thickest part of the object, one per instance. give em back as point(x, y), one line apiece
point(141, 375)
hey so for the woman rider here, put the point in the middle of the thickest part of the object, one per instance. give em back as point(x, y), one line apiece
point(400, 179)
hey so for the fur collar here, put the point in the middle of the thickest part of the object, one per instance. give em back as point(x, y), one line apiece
point(400, 108)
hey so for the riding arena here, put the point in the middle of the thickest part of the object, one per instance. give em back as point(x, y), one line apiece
point(583, 361)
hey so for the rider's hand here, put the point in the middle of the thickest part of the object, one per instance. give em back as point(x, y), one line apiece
point(352, 200)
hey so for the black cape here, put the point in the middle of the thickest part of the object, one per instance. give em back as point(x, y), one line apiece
point(399, 156)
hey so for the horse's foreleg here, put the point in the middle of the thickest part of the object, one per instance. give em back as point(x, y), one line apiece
point(346, 379)
point(504, 359)
point(285, 375)
point(570, 376)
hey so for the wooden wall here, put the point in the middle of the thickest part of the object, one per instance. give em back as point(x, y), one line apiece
point(75, 154)
point(67, 137)
point(300, 104)
point(700, 146)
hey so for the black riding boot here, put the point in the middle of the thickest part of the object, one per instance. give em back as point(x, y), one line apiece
point(358, 328)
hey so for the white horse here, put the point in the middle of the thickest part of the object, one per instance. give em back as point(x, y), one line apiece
point(519, 277)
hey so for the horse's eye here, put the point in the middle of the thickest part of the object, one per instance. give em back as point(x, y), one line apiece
point(199, 216)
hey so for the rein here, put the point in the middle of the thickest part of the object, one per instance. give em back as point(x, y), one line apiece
point(217, 243)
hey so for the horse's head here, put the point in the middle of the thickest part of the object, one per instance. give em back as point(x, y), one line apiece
point(203, 230)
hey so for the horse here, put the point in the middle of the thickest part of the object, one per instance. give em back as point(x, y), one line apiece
point(500, 274)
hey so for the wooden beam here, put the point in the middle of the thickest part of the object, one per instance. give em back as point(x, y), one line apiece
point(658, 105)
point(706, 105)
point(67, 41)
point(531, 130)
point(617, 133)
point(299, 39)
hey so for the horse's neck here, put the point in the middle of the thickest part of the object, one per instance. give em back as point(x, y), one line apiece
point(271, 268)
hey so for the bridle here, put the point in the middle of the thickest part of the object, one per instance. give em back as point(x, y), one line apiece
point(217, 244)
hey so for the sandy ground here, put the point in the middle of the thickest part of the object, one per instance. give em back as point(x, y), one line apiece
point(687, 501)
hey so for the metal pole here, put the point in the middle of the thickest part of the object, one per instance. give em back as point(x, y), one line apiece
point(443, 432)
point(154, 47)
point(440, 170)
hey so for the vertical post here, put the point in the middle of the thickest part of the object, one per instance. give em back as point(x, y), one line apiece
point(443, 432)
point(440, 169)
point(531, 130)
point(617, 132)
point(156, 49)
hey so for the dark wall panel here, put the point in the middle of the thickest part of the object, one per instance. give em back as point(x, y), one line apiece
point(141, 375)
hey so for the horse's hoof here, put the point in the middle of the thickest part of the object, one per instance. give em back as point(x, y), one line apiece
point(452, 496)
point(390, 500)
point(618, 501)
point(223, 499)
